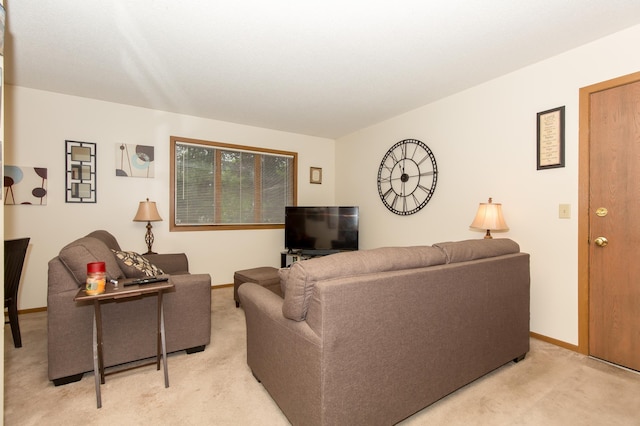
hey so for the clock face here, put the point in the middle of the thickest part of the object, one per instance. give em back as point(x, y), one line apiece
point(407, 177)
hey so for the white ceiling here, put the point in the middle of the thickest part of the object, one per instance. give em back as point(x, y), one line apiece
point(324, 68)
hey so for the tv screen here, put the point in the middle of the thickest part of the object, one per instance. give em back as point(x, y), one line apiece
point(321, 229)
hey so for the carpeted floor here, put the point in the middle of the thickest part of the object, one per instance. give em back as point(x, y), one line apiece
point(552, 386)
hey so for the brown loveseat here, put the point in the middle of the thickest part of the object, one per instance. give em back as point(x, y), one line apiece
point(372, 337)
point(129, 328)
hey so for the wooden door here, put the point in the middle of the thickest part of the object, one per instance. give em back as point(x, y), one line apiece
point(614, 225)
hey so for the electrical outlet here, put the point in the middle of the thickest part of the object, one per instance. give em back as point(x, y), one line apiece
point(564, 211)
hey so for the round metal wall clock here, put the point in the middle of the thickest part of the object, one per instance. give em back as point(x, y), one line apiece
point(407, 177)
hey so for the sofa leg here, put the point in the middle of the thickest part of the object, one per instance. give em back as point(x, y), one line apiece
point(66, 380)
point(194, 350)
point(520, 358)
point(237, 304)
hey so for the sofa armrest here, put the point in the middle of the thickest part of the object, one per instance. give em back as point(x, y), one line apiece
point(283, 354)
point(268, 305)
point(170, 263)
point(188, 311)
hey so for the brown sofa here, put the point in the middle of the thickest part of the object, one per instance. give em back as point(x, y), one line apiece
point(129, 328)
point(372, 337)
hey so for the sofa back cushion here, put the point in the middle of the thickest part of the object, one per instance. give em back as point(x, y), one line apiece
point(462, 251)
point(302, 276)
point(107, 238)
point(77, 254)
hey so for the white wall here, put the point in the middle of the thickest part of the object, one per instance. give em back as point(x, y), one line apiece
point(484, 140)
point(37, 125)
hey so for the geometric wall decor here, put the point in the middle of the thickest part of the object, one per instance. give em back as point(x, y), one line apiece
point(25, 185)
point(80, 182)
point(3, 17)
point(135, 160)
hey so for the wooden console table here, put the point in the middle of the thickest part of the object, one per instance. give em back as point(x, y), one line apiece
point(125, 293)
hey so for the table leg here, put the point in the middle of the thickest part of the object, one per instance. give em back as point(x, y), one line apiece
point(96, 356)
point(98, 318)
point(159, 331)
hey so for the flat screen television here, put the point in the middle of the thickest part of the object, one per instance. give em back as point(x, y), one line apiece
point(321, 230)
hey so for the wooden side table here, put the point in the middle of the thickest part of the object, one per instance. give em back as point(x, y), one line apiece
point(122, 292)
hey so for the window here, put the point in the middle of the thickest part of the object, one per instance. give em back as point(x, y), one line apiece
point(222, 186)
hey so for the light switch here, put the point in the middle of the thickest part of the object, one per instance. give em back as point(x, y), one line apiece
point(564, 211)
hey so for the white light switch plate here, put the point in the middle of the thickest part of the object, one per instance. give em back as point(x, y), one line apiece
point(564, 211)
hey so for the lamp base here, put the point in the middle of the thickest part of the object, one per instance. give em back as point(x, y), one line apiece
point(148, 238)
point(488, 235)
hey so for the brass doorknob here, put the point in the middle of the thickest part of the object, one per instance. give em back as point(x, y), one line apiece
point(601, 241)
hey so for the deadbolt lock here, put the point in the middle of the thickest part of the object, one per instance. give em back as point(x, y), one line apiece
point(602, 212)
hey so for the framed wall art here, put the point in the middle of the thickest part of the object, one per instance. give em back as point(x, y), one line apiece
point(135, 160)
point(315, 175)
point(3, 17)
point(80, 159)
point(550, 139)
point(25, 185)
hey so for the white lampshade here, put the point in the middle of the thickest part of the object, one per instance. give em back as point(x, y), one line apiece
point(489, 217)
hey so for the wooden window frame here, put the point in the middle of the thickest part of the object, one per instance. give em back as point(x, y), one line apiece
point(174, 140)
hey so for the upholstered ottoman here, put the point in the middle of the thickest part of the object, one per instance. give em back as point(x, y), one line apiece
point(266, 276)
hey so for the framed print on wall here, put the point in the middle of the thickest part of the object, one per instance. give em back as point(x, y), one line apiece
point(25, 185)
point(550, 138)
point(315, 175)
point(80, 161)
point(135, 160)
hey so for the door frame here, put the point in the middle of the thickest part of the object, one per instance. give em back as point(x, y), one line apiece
point(584, 186)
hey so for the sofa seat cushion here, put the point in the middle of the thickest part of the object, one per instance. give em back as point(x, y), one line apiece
point(78, 253)
point(302, 276)
point(135, 266)
point(462, 251)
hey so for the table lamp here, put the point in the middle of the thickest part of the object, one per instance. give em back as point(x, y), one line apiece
point(148, 212)
point(489, 217)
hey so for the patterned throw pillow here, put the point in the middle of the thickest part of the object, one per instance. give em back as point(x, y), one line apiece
point(135, 266)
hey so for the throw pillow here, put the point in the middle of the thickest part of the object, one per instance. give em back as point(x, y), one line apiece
point(135, 266)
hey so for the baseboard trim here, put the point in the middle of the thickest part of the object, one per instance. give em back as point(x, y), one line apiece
point(554, 341)
point(219, 286)
point(27, 311)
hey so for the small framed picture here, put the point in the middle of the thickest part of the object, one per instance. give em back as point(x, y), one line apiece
point(550, 140)
point(315, 175)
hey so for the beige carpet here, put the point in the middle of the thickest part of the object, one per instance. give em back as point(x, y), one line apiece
point(552, 386)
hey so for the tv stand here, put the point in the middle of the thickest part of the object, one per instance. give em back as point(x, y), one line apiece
point(287, 257)
point(318, 253)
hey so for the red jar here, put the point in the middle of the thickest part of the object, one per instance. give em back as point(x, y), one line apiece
point(96, 278)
